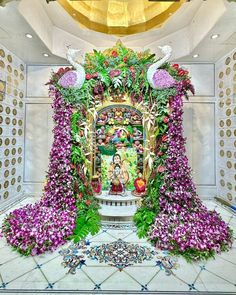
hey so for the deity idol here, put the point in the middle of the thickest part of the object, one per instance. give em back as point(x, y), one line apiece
point(118, 175)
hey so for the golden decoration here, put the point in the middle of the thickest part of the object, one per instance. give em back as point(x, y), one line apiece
point(6, 163)
point(13, 171)
point(2, 64)
point(222, 173)
point(16, 73)
point(229, 185)
point(13, 151)
point(9, 68)
point(13, 141)
point(13, 161)
point(221, 94)
point(222, 182)
point(228, 71)
point(16, 83)
point(14, 131)
point(222, 133)
point(6, 152)
point(2, 53)
point(228, 60)
point(14, 102)
point(8, 110)
point(1, 142)
point(222, 153)
point(228, 100)
point(235, 110)
point(20, 122)
point(15, 92)
point(228, 133)
point(221, 84)
point(6, 195)
point(2, 86)
point(120, 17)
point(21, 94)
point(229, 196)
point(235, 132)
point(8, 120)
point(6, 184)
point(1, 119)
point(228, 112)
point(228, 91)
point(13, 181)
point(9, 79)
point(234, 67)
point(14, 121)
point(20, 132)
point(0, 164)
point(9, 58)
point(229, 154)
point(0, 130)
point(7, 141)
point(235, 143)
point(14, 112)
point(1, 96)
point(221, 104)
point(221, 74)
point(222, 143)
point(229, 164)
point(21, 104)
point(6, 173)
point(221, 123)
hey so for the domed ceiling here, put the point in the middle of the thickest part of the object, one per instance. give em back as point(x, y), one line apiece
point(121, 17)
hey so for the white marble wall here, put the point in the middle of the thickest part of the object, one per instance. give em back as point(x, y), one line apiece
point(12, 93)
point(199, 127)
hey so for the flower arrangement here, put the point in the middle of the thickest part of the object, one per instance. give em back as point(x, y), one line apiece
point(171, 214)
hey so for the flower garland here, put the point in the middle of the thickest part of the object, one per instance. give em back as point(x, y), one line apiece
point(171, 215)
point(44, 226)
point(184, 225)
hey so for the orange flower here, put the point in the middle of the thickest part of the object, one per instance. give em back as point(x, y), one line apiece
point(87, 202)
point(80, 196)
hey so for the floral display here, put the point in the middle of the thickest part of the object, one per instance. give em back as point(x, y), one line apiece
point(171, 214)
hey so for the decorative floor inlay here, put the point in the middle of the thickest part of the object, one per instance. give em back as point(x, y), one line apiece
point(121, 254)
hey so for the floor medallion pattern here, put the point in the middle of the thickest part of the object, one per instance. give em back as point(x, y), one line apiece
point(121, 254)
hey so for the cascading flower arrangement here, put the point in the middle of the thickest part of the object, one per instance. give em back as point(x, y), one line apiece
point(171, 215)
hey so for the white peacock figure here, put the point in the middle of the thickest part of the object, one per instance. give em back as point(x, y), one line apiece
point(160, 78)
point(74, 78)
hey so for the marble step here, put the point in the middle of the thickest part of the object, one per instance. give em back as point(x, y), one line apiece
point(117, 200)
point(117, 213)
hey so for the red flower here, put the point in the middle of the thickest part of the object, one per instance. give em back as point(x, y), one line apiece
point(132, 69)
point(186, 72)
point(80, 196)
point(181, 72)
point(72, 166)
point(166, 120)
point(106, 63)
point(160, 168)
point(88, 76)
point(164, 137)
point(87, 202)
point(175, 66)
point(95, 75)
point(125, 59)
point(188, 81)
point(160, 153)
point(114, 53)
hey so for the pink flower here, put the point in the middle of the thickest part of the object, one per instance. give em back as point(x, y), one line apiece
point(160, 169)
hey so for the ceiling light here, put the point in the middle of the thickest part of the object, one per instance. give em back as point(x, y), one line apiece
point(45, 55)
point(215, 36)
point(28, 36)
point(195, 55)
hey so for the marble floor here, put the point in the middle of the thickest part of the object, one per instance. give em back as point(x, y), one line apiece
point(115, 261)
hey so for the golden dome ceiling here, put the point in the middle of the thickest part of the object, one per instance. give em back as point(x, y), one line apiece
point(120, 17)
